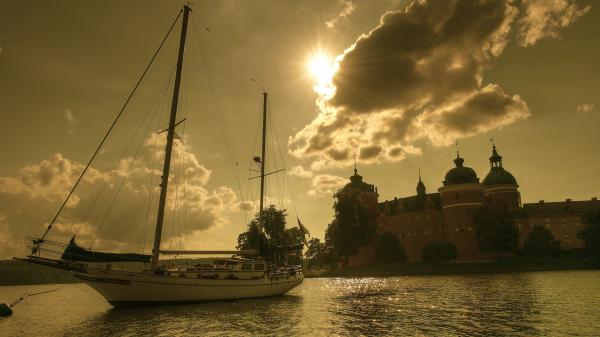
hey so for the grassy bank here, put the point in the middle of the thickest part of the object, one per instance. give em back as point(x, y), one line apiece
point(20, 273)
point(501, 266)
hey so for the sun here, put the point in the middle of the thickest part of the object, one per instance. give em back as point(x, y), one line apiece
point(322, 68)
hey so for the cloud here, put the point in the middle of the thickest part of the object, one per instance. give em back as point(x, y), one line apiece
point(29, 199)
point(543, 19)
point(418, 75)
point(70, 117)
point(300, 171)
point(348, 8)
point(325, 185)
point(585, 107)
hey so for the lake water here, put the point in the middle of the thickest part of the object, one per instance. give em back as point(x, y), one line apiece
point(565, 303)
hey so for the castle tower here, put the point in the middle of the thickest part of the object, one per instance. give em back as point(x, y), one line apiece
point(460, 194)
point(500, 186)
point(366, 193)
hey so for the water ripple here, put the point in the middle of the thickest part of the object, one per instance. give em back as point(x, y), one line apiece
point(519, 304)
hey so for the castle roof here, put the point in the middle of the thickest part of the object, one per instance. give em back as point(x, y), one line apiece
point(357, 183)
point(460, 174)
point(415, 203)
point(561, 207)
point(498, 175)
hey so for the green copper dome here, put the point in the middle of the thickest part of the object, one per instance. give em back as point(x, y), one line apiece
point(460, 174)
point(498, 175)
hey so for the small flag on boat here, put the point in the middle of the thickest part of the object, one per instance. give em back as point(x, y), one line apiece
point(304, 231)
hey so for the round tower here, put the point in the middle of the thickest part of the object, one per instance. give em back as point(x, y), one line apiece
point(461, 186)
point(460, 195)
point(500, 186)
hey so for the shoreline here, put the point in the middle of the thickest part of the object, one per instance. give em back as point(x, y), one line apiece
point(13, 273)
point(463, 268)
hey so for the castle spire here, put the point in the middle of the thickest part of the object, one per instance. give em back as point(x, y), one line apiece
point(458, 161)
point(420, 186)
point(495, 159)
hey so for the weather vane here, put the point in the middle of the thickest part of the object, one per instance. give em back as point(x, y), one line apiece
point(457, 154)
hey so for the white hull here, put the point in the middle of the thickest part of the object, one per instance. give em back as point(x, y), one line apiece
point(127, 288)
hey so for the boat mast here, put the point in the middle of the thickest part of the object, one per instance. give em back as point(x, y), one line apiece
point(169, 147)
point(263, 160)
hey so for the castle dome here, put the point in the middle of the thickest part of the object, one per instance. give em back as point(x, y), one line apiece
point(498, 175)
point(357, 183)
point(460, 174)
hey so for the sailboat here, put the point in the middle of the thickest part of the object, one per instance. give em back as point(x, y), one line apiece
point(239, 276)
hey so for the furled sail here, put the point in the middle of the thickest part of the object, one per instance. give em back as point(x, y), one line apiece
point(74, 252)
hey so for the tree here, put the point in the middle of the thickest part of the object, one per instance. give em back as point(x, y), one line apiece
point(253, 239)
point(319, 254)
point(541, 243)
point(267, 234)
point(437, 252)
point(495, 230)
point(389, 249)
point(352, 227)
point(590, 234)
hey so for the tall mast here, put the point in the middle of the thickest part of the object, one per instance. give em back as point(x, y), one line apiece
point(169, 147)
point(263, 160)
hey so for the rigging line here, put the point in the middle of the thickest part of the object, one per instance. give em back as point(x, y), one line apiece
point(109, 129)
point(176, 205)
point(220, 116)
point(159, 107)
point(128, 169)
point(185, 112)
point(286, 178)
point(20, 299)
point(106, 183)
point(156, 143)
point(235, 61)
point(275, 145)
point(151, 184)
point(274, 160)
point(180, 174)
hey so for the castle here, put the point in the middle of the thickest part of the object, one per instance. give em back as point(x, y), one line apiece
point(446, 215)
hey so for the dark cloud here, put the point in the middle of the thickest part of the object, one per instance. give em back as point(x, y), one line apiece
point(418, 75)
point(369, 152)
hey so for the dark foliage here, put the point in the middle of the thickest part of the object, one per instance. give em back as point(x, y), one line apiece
point(319, 254)
point(590, 234)
point(437, 252)
point(389, 249)
point(495, 230)
point(271, 240)
point(541, 243)
point(352, 227)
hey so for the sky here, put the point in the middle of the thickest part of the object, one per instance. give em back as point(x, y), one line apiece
point(390, 85)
